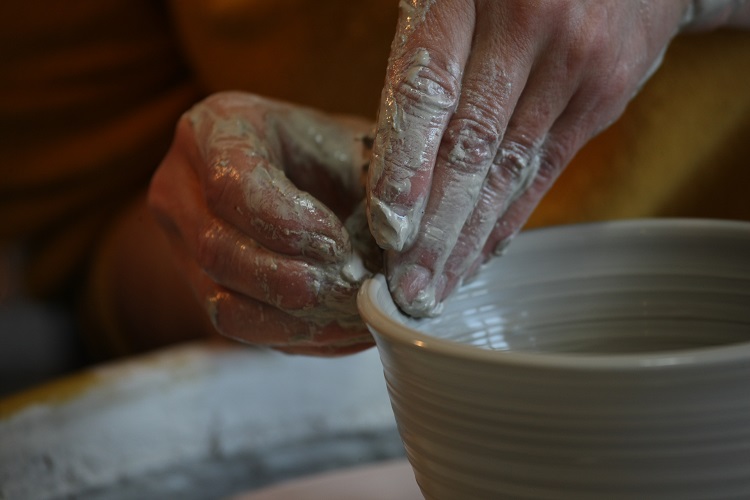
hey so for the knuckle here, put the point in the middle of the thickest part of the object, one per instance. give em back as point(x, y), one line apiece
point(470, 143)
point(588, 40)
point(610, 73)
point(427, 86)
point(559, 149)
point(579, 55)
point(514, 164)
point(611, 81)
point(619, 86)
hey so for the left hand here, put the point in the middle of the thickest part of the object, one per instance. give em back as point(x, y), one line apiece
point(253, 195)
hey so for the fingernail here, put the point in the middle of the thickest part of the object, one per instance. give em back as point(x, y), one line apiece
point(414, 290)
point(501, 246)
point(390, 230)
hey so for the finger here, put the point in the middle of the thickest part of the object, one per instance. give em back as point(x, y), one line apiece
point(569, 133)
point(596, 103)
point(239, 263)
point(244, 184)
point(420, 94)
point(423, 275)
point(247, 320)
point(508, 198)
point(578, 124)
point(504, 230)
point(231, 258)
point(561, 107)
point(491, 88)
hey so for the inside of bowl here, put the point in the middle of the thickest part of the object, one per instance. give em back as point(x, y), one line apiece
point(628, 287)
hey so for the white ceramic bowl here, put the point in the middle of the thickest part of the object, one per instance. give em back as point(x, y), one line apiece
point(601, 361)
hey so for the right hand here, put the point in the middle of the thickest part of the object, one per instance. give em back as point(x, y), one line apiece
point(252, 195)
point(485, 103)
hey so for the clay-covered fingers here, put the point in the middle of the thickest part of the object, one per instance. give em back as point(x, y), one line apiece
point(422, 88)
point(243, 165)
point(577, 87)
point(483, 239)
point(229, 257)
point(243, 318)
point(269, 262)
point(489, 153)
point(535, 145)
point(539, 80)
point(257, 297)
point(495, 75)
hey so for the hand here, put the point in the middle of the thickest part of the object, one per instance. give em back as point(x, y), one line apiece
point(252, 194)
point(485, 103)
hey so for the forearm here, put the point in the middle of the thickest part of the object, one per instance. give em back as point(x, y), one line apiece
point(136, 299)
